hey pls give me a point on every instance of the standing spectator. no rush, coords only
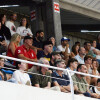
(81, 55)
(25, 52)
(52, 39)
(10, 24)
(72, 65)
(5, 30)
(24, 29)
(82, 88)
(63, 84)
(87, 46)
(47, 50)
(98, 43)
(20, 75)
(15, 39)
(38, 40)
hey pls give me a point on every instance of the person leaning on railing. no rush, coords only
(80, 86)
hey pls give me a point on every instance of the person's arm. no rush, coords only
(12, 48)
(48, 85)
(61, 87)
(37, 85)
(21, 56)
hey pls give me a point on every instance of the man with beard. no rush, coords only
(38, 40)
(81, 55)
(80, 82)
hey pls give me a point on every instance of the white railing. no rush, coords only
(53, 67)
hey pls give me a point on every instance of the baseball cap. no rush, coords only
(27, 37)
(65, 38)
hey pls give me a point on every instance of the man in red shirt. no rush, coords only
(25, 52)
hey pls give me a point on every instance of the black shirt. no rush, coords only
(38, 44)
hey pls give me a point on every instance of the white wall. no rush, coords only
(11, 91)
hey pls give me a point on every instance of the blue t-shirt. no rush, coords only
(41, 54)
(60, 82)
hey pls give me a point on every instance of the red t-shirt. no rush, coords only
(29, 54)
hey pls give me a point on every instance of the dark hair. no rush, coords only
(46, 43)
(1, 16)
(98, 80)
(71, 61)
(17, 63)
(79, 66)
(39, 31)
(77, 43)
(27, 24)
(85, 43)
(74, 49)
(86, 57)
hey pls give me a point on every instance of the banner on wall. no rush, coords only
(33, 15)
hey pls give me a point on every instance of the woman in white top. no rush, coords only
(24, 29)
(20, 75)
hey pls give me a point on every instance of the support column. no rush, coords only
(53, 20)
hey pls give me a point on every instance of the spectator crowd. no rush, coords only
(20, 42)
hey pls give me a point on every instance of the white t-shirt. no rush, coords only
(11, 26)
(95, 90)
(60, 48)
(21, 77)
(23, 31)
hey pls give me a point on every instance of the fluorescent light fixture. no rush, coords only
(88, 31)
(9, 6)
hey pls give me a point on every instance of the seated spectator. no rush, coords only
(3, 44)
(54, 56)
(82, 88)
(63, 84)
(43, 81)
(14, 43)
(72, 65)
(24, 29)
(75, 49)
(96, 51)
(96, 89)
(64, 47)
(38, 40)
(3, 75)
(94, 71)
(77, 43)
(88, 63)
(52, 39)
(81, 55)
(5, 30)
(98, 42)
(24, 52)
(87, 46)
(20, 75)
(47, 50)
(10, 24)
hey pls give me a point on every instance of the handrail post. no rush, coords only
(71, 84)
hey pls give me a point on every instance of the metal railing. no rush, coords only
(53, 67)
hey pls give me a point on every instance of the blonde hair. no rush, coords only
(14, 37)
